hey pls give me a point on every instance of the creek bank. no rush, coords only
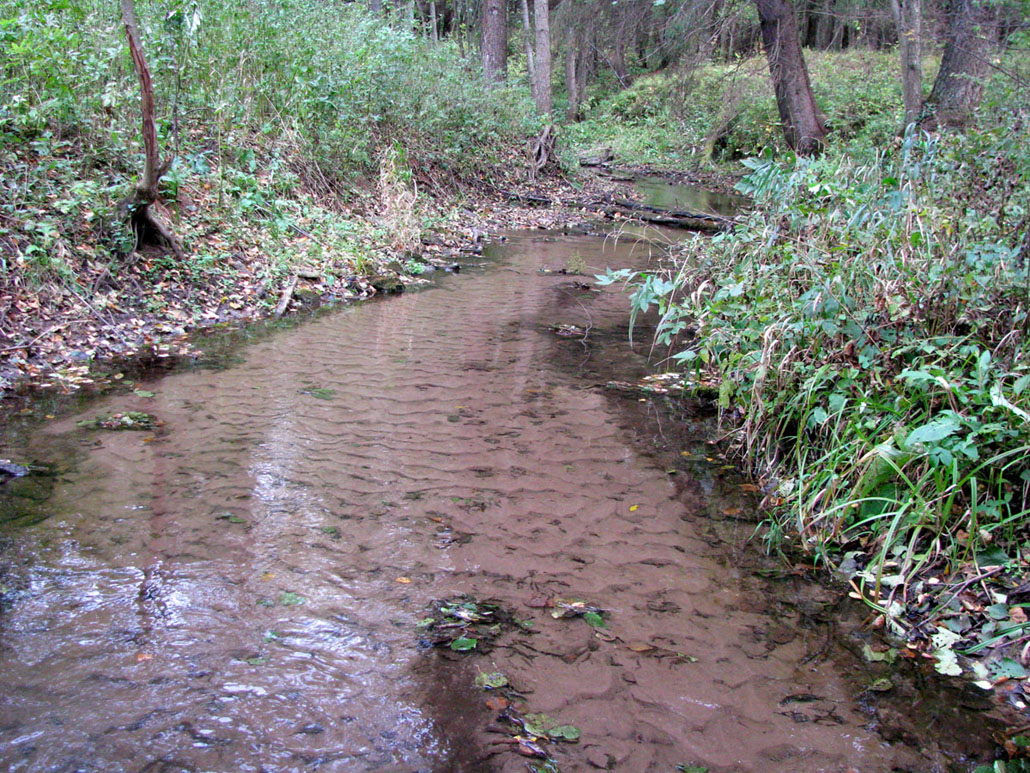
(56, 333)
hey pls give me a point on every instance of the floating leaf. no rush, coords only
(290, 599)
(538, 724)
(872, 656)
(463, 644)
(493, 680)
(320, 392)
(881, 685)
(595, 620)
(143, 393)
(569, 733)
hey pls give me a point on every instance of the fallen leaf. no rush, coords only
(634, 508)
(463, 644)
(639, 646)
(403, 580)
(494, 680)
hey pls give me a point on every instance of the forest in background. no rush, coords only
(865, 326)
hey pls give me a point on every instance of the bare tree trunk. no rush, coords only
(146, 223)
(375, 6)
(542, 84)
(964, 65)
(908, 18)
(527, 39)
(802, 121)
(494, 41)
(619, 47)
(434, 34)
(570, 74)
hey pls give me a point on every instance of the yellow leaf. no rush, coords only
(404, 580)
(634, 508)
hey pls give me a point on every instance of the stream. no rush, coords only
(240, 588)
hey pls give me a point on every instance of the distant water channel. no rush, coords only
(238, 589)
(658, 192)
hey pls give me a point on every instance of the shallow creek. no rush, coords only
(239, 589)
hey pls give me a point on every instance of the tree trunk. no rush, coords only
(147, 224)
(908, 18)
(542, 84)
(619, 46)
(434, 34)
(570, 76)
(527, 39)
(494, 41)
(375, 6)
(802, 121)
(964, 65)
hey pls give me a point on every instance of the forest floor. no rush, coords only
(54, 333)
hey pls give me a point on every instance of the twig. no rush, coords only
(29, 343)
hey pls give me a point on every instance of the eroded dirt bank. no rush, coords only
(241, 587)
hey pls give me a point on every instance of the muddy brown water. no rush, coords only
(239, 589)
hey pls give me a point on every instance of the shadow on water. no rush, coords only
(239, 587)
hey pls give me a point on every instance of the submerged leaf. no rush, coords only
(463, 644)
(493, 680)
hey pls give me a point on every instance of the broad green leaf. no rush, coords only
(938, 429)
(569, 733)
(463, 644)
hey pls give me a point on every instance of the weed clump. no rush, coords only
(868, 326)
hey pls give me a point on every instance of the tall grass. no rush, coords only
(869, 326)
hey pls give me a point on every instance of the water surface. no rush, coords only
(238, 590)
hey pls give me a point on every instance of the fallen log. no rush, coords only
(284, 299)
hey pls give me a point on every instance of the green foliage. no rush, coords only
(281, 109)
(728, 111)
(869, 325)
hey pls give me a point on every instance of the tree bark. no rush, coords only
(802, 121)
(146, 223)
(542, 83)
(570, 76)
(375, 6)
(965, 63)
(494, 40)
(527, 39)
(908, 18)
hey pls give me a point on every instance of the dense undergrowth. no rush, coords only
(868, 326)
(291, 150)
